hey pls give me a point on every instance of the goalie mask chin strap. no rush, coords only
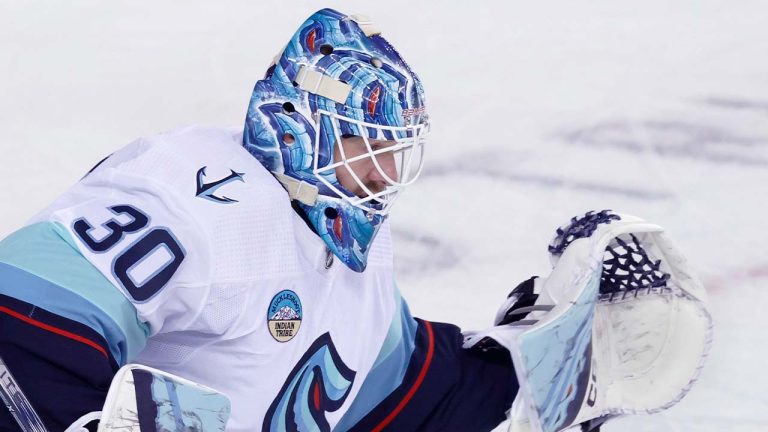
(302, 191)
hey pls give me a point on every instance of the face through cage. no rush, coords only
(373, 169)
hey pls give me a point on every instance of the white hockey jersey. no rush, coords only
(231, 287)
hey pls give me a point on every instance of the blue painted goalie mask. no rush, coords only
(339, 80)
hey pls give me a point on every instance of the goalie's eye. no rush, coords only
(379, 145)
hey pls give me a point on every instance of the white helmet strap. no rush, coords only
(366, 24)
(304, 192)
(321, 84)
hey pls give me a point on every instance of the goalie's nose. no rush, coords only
(380, 176)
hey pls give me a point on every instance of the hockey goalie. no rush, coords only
(213, 279)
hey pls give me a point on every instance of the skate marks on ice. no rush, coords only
(734, 103)
(675, 139)
(496, 166)
(420, 253)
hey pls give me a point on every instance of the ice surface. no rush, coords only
(542, 110)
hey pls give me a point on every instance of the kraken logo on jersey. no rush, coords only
(319, 383)
(207, 190)
(284, 315)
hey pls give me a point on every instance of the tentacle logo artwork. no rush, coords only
(319, 383)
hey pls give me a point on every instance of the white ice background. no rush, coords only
(541, 111)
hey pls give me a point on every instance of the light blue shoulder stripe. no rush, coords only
(76, 289)
(389, 368)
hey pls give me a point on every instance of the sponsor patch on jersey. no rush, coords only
(284, 315)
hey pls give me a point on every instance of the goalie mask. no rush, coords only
(338, 81)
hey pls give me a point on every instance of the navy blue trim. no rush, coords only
(145, 403)
(463, 390)
(389, 368)
(60, 302)
(98, 164)
(39, 314)
(64, 379)
(319, 400)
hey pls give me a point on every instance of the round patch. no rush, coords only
(284, 315)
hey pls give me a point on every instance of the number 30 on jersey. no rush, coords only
(138, 267)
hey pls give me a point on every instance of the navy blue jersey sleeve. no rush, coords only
(424, 380)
